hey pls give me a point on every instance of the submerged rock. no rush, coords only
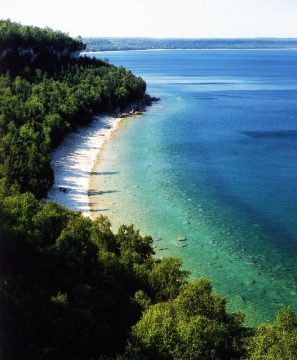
(187, 222)
(181, 238)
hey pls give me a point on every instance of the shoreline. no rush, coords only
(75, 158)
(91, 189)
(90, 52)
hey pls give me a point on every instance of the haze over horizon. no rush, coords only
(160, 18)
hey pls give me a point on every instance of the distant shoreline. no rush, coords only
(94, 44)
(215, 49)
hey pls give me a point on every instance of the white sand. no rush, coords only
(74, 160)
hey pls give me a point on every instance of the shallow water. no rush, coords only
(215, 161)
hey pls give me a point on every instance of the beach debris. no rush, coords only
(148, 100)
(132, 112)
(139, 108)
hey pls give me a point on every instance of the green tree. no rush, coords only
(276, 341)
(134, 248)
(194, 325)
(167, 277)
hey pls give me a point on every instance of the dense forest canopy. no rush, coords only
(70, 288)
(14, 35)
(106, 44)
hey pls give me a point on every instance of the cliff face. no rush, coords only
(32, 44)
(21, 51)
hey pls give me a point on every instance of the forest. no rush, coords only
(16, 36)
(71, 288)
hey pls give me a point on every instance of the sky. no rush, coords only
(158, 18)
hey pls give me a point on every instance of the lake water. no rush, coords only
(214, 161)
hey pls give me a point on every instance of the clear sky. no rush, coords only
(159, 18)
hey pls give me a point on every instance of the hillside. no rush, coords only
(44, 96)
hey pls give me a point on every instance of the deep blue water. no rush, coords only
(216, 161)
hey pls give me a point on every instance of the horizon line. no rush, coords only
(190, 38)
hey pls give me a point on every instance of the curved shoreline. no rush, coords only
(74, 160)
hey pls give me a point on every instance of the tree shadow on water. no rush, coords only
(95, 192)
(99, 210)
(104, 172)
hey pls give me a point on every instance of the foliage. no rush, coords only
(194, 325)
(276, 341)
(71, 288)
(41, 100)
(167, 277)
(58, 294)
(14, 35)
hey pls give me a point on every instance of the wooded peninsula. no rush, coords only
(124, 44)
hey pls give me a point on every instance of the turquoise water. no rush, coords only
(215, 161)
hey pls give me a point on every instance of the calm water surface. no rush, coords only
(215, 161)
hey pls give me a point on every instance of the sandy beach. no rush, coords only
(74, 160)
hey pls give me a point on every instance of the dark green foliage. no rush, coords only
(166, 278)
(22, 46)
(134, 249)
(276, 341)
(44, 97)
(70, 288)
(194, 325)
(59, 293)
(25, 159)
(14, 35)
